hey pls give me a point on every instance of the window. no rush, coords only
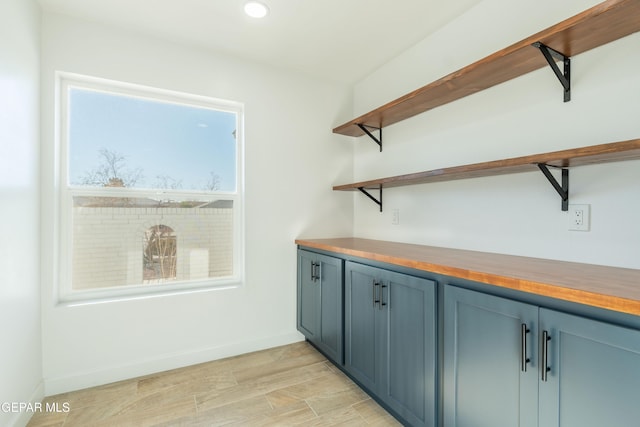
(150, 190)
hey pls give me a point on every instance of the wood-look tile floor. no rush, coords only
(285, 386)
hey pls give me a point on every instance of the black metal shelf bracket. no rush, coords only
(563, 187)
(564, 76)
(377, 201)
(365, 129)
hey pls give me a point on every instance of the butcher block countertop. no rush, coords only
(611, 288)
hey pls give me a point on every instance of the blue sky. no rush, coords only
(182, 142)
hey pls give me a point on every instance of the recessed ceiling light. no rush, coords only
(255, 9)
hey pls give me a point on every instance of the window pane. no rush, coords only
(126, 141)
(120, 241)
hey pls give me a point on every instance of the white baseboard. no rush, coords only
(21, 419)
(166, 362)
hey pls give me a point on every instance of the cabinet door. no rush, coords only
(320, 302)
(410, 364)
(594, 373)
(364, 345)
(330, 340)
(308, 296)
(485, 382)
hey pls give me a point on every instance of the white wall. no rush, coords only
(515, 214)
(291, 160)
(20, 344)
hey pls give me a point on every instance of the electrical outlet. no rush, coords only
(579, 217)
(395, 216)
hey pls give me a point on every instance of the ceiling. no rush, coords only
(337, 40)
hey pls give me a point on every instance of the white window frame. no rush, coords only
(66, 192)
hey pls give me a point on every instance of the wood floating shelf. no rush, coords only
(595, 154)
(599, 25)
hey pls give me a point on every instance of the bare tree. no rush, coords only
(112, 171)
(167, 183)
(159, 254)
(213, 184)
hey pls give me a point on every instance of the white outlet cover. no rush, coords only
(579, 218)
(395, 216)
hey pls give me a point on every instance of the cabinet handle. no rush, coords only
(545, 355)
(376, 298)
(315, 267)
(382, 303)
(523, 346)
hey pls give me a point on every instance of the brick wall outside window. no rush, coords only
(108, 243)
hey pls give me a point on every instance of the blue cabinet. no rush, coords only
(593, 376)
(486, 381)
(508, 363)
(364, 344)
(320, 308)
(390, 339)
(468, 358)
